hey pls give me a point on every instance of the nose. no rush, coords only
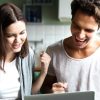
(17, 38)
(81, 34)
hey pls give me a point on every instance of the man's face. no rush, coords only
(83, 29)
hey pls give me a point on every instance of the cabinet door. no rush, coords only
(64, 10)
(33, 13)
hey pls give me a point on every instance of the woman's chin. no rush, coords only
(17, 50)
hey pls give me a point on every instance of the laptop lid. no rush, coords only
(88, 95)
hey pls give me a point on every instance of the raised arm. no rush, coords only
(45, 60)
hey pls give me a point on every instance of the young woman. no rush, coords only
(16, 58)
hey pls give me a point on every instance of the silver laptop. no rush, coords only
(88, 95)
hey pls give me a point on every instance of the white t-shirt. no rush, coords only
(80, 74)
(9, 83)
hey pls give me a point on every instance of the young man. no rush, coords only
(75, 64)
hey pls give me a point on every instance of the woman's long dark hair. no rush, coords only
(10, 13)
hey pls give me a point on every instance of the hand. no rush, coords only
(45, 60)
(59, 87)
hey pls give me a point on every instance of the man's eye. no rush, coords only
(22, 32)
(75, 26)
(90, 31)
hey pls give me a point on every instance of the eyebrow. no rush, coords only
(14, 33)
(73, 22)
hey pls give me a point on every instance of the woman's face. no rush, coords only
(16, 36)
(83, 29)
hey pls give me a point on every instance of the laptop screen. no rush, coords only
(88, 95)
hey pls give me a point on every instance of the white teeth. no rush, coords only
(79, 40)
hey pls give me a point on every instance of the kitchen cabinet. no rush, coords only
(33, 10)
(33, 13)
(64, 10)
(47, 11)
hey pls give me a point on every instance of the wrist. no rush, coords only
(44, 73)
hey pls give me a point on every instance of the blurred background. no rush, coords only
(48, 21)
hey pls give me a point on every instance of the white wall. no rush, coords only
(45, 35)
